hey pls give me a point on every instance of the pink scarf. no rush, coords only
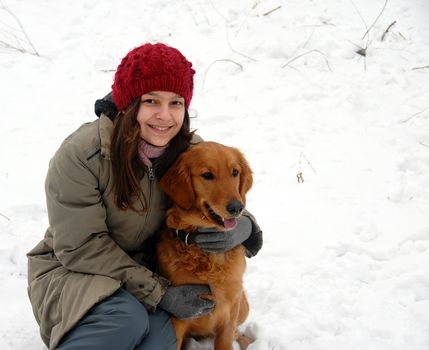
(147, 151)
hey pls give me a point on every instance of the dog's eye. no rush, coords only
(208, 175)
(235, 172)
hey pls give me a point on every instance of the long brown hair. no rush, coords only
(128, 169)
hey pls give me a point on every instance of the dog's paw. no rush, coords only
(246, 335)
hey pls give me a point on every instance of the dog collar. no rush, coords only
(186, 237)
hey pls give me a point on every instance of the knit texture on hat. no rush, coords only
(152, 67)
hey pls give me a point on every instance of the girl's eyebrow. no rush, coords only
(157, 95)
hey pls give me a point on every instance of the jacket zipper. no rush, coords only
(151, 177)
(150, 173)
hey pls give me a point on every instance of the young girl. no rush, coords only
(91, 281)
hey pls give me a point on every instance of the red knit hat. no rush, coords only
(147, 68)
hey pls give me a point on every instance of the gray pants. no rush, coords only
(121, 322)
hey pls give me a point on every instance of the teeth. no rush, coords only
(160, 128)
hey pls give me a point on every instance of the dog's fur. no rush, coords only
(208, 175)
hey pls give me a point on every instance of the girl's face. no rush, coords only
(160, 115)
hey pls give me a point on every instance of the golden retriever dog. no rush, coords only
(208, 186)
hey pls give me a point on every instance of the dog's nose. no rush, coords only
(235, 207)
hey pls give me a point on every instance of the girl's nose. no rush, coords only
(163, 111)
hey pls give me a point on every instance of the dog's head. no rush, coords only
(212, 180)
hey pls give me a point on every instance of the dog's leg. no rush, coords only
(181, 329)
(227, 328)
(244, 309)
(243, 340)
(225, 337)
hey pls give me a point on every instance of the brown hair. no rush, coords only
(128, 170)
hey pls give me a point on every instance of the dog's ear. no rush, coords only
(246, 177)
(177, 183)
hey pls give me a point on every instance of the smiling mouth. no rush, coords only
(160, 128)
(227, 223)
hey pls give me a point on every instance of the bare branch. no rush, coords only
(360, 15)
(244, 21)
(387, 30)
(307, 53)
(271, 11)
(216, 61)
(302, 155)
(202, 11)
(4, 216)
(423, 67)
(27, 38)
(299, 174)
(309, 38)
(227, 24)
(233, 50)
(218, 12)
(378, 17)
(414, 115)
(362, 50)
(8, 46)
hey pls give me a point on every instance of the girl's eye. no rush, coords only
(208, 175)
(177, 103)
(149, 101)
(235, 172)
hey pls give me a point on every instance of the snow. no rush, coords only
(344, 264)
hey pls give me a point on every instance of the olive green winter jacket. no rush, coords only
(86, 253)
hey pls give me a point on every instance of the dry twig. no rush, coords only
(302, 155)
(414, 115)
(309, 38)
(271, 11)
(228, 24)
(219, 13)
(362, 50)
(299, 175)
(237, 52)
(387, 30)
(423, 67)
(4, 216)
(360, 16)
(378, 17)
(216, 61)
(27, 38)
(307, 53)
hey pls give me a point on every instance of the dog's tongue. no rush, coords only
(230, 223)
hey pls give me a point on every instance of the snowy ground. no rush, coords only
(344, 265)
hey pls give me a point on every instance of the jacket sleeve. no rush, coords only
(81, 240)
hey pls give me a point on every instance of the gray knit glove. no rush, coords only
(213, 241)
(185, 302)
